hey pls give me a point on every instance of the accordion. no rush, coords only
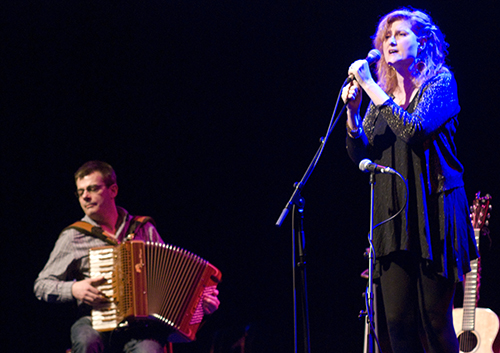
(151, 281)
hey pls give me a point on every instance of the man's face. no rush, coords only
(96, 199)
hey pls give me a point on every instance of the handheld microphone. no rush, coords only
(368, 166)
(372, 57)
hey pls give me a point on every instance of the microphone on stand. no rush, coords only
(368, 166)
(372, 57)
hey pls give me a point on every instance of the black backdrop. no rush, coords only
(210, 111)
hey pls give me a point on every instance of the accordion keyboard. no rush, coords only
(105, 316)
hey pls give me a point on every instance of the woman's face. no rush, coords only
(400, 45)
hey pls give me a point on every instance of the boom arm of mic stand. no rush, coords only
(298, 186)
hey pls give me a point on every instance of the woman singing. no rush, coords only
(409, 126)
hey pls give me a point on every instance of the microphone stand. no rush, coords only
(368, 341)
(370, 328)
(298, 229)
(297, 203)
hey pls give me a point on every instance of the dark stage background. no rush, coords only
(210, 111)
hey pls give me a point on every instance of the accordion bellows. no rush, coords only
(152, 281)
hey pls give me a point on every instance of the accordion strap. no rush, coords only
(136, 223)
(92, 230)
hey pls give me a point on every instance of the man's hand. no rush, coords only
(211, 302)
(86, 291)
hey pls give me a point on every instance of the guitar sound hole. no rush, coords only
(467, 341)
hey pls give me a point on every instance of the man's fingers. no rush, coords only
(97, 281)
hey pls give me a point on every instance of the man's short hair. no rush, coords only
(108, 174)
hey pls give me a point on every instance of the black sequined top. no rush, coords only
(418, 143)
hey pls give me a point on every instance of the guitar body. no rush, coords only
(476, 328)
(481, 339)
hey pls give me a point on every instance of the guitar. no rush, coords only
(476, 328)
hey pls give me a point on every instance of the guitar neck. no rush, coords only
(470, 292)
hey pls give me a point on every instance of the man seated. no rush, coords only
(66, 275)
